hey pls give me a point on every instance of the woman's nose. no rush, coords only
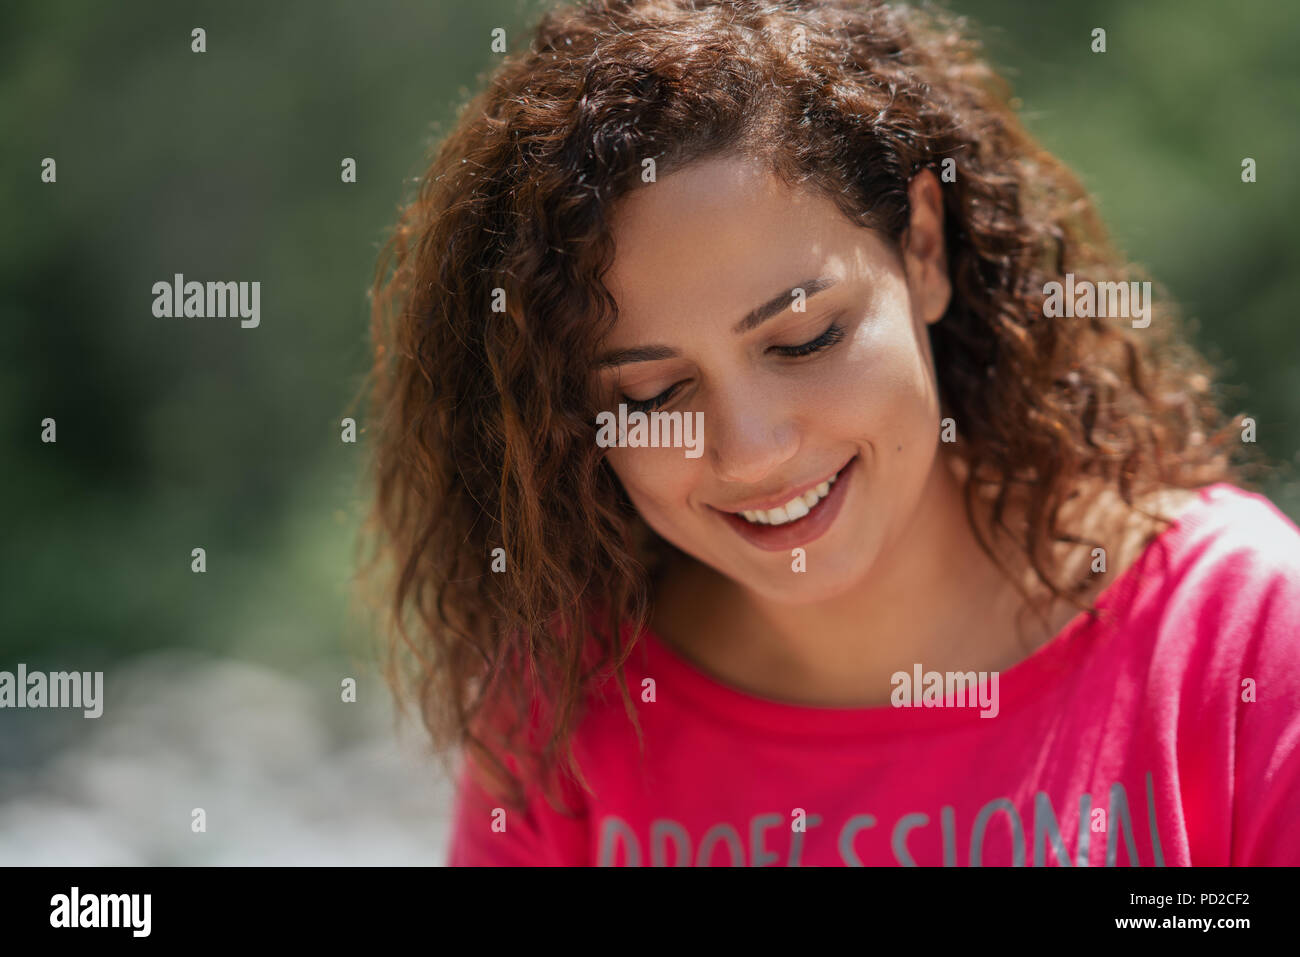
(750, 437)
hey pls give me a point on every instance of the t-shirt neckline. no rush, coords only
(1017, 685)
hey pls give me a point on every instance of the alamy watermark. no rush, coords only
(946, 689)
(57, 689)
(198, 300)
(1085, 299)
(75, 909)
(653, 430)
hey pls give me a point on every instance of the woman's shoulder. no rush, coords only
(1226, 618)
(1208, 601)
(1211, 611)
(1226, 566)
(1238, 535)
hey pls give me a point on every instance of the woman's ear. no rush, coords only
(925, 260)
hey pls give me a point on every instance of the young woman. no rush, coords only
(898, 564)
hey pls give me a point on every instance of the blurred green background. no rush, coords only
(176, 433)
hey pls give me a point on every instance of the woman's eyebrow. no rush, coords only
(636, 354)
(756, 317)
(781, 302)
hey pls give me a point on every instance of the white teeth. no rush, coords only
(792, 510)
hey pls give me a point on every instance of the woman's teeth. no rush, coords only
(792, 510)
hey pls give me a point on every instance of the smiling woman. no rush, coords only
(839, 267)
(842, 389)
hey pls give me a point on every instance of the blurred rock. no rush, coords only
(287, 773)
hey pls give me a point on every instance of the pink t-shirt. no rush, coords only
(1169, 738)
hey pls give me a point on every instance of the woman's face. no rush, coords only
(821, 424)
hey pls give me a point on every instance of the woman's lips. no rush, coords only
(776, 538)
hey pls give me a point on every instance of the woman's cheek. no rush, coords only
(857, 397)
(909, 435)
(658, 481)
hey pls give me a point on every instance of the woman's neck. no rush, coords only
(933, 598)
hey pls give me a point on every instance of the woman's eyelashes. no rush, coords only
(833, 334)
(648, 405)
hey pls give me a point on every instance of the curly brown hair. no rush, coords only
(482, 419)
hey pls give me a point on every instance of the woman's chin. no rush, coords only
(807, 586)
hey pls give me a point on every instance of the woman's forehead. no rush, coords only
(721, 237)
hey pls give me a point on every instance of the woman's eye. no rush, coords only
(648, 405)
(832, 335)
